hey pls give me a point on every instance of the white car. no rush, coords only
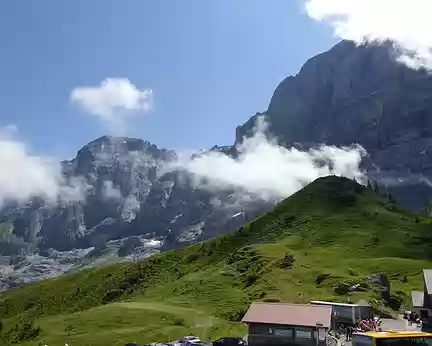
(190, 341)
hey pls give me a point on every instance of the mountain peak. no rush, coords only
(123, 145)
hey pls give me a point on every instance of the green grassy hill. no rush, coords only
(314, 245)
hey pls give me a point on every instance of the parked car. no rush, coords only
(196, 342)
(191, 341)
(185, 339)
(229, 342)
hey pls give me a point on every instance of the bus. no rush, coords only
(392, 338)
(348, 314)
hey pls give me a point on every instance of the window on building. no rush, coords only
(285, 332)
(343, 313)
(303, 333)
(424, 314)
(260, 329)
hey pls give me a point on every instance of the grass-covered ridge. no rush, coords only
(313, 245)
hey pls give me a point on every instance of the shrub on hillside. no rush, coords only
(256, 294)
(396, 300)
(177, 321)
(320, 278)
(287, 262)
(234, 315)
(342, 288)
(190, 258)
(250, 279)
(22, 331)
(112, 295)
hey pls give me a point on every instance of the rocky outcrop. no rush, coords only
(361, 94)
(382, 284)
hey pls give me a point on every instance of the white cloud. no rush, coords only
(130, 208)
(129, 205)
(111, 192)
(24, 175)
(405, 22)
(270, 171)
(113, 101)
(74, 189)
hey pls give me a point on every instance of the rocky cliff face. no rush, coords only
(361, 94)
(129, 206)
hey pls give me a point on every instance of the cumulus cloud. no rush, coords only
(405, 22)
(24, 175)
(112, 101)
(272, 172)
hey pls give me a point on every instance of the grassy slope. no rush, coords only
(337, 231)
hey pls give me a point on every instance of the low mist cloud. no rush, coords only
(130, 208)
(129, 205)
(392, 178)
(109, 191)
(405, 22)
(24, 175)
(269, 171)
(262, 170)
(74, 189)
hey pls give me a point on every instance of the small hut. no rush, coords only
(287, 324)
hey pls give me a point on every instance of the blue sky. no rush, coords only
(210, 64)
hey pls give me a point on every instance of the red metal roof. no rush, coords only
(289, 314)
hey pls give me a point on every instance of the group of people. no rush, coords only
(348, 331)
(371, 324)
(363, 326)
(413, 317)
